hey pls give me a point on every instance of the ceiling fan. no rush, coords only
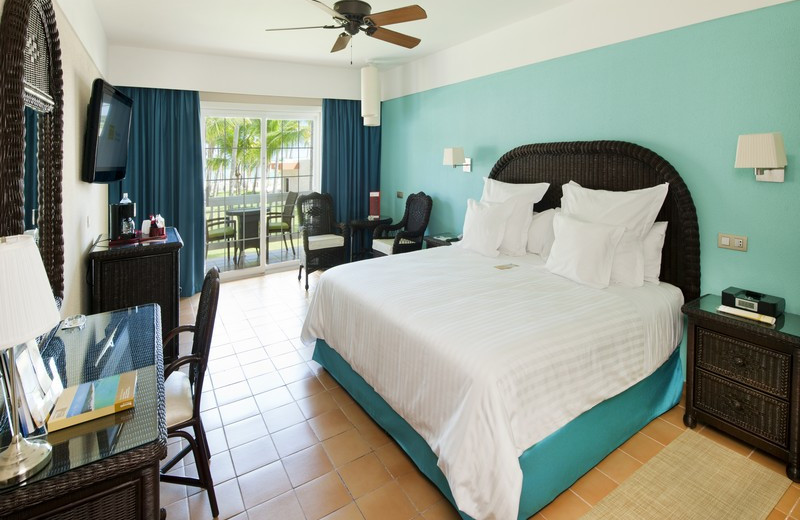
(353, 16)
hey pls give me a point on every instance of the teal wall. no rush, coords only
(686, 94)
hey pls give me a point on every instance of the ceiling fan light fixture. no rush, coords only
(354, 16)
(370, 95)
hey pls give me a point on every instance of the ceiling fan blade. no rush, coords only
(325, 8)
(403, 14)
(387, 35)
(341, 42)
(298, 28)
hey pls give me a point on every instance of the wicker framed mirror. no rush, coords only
(31, 75)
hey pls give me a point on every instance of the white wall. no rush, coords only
(86, 25)
(133, 66)
(85, 206)
(567, 29)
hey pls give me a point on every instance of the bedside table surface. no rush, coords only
(787, 326)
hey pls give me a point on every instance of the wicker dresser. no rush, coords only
(129, 275)
(744, 378)
(441, 239)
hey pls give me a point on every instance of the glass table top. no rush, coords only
(86, 354)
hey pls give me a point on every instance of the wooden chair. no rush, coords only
(184, 390)
(406, 235)
(284, 225)
(325, 242)
(219, 229)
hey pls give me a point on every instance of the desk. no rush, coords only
(363, 225)
(247, 229)
(107, 468)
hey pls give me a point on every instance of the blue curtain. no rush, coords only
(30, 192)
(165, 171)
(351, 158)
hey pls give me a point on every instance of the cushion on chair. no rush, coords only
(220, 233)
(179, 398)
(325, 241)
(384, 245)
(278, 226)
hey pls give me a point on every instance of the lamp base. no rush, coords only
(23, 459)
(769, 174)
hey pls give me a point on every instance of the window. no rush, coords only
(256, 160)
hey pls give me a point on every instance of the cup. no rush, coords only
(145, 228)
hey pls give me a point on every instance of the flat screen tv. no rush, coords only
(108, 124)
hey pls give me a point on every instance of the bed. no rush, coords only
(501, 423)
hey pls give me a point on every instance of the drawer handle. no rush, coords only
(736, 404)
(738, 361)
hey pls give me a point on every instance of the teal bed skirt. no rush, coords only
(553, 464)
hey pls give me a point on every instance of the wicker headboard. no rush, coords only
(618, 166)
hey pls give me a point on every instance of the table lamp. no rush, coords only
(27, 310)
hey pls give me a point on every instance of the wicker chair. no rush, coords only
(325, 242)
(219, 229)
(406, 235)
(284, 225)
(183, 392)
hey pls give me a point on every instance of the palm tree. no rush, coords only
(233, 153)
(233, 150)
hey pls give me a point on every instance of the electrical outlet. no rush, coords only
(735, 242)
(399, 194)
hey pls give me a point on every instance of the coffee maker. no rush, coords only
(121, 223)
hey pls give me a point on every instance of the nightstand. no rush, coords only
(743, 378)
(441, 239)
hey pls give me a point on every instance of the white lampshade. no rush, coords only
(27, 306)
(760, 151)
(453, 157)
(372, 120)
(370, 93)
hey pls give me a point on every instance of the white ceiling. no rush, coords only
(236, 27)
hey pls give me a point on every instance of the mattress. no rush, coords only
(484, 362)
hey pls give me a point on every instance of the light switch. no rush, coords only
(735, 242)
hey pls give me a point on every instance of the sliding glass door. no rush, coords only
(256, 164)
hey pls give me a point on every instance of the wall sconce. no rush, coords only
(765, 153)
(455, 157)
(370, 96)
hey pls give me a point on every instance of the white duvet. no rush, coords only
(483, 362)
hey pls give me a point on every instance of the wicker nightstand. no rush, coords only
(744, 378)
(441, 239)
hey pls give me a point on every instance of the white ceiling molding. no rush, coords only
(566, 29)
(212, 73)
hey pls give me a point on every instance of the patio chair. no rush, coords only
(325, 242)
(284, 225)
(222, 229)
(407, 234)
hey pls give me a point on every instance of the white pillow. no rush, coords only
(483, 226)
(636, 209)
(653, 244)
(522, 197)
(627, 268)
(540, 234)
(583, 251)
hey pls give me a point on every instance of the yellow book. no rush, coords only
(87, 401)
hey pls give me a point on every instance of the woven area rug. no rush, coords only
(694, 478)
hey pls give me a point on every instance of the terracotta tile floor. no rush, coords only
(289, 443)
